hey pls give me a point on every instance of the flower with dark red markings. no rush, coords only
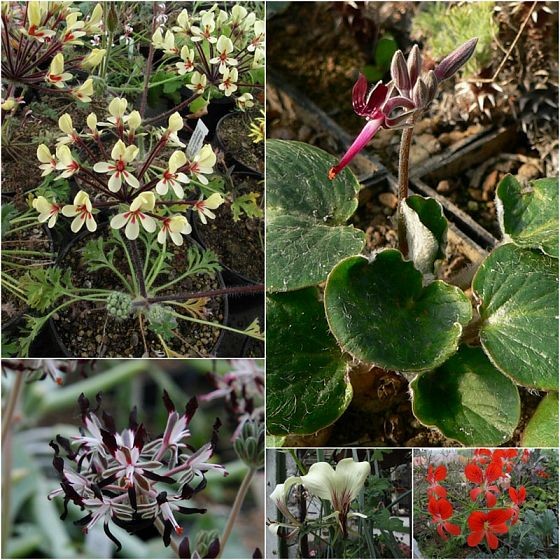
(37, 370)
(115, 476)
(399, 103)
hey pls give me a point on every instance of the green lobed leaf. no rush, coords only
(467, 399)
(529, 215)
(380, 313)
(518, 291)
(542, 429)
(306, 215)
(426, 231)
(307, 383)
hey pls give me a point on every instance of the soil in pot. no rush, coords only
(239, 245)
(87, 330)
(233, 135)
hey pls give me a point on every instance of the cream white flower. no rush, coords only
(91, 121)
(245, 101)
(229, 79)
(135, 216)
(121, 155)
(205, 207)
(258, 39)
(82, 211)
(48, 211)
(202, 164)
(35, 12)
(65, 124)
(184, 23)
(281, 493)
(48, 161)
(341, 485)
(258, 58)
(171, 178)
(117, 109)
(74, 30)
(93, 59)
(165, 43)
(198, 82)
(175, 227)
(66, 162)
(94, 22)
(187, 61)
(84, 92)
(238, 14)
(224, 48)
(175, 123)
(134, 121)
(207, 26)
(56, 74)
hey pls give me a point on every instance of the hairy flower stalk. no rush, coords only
(119, 477)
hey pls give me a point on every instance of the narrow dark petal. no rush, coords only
(190, 409)
(58, 464)
(189, 511)
(133, 419)
(111, 536)
(258, 553)
(168, 402)
(140, 437)
(167, 532)
(97, 491)
(84, 520)
(184, 548)
(83, 402)
(213, 549)
(158, 477)
(109, 422)
(98, 399)
(71, 494)
(109, 440)
(106, 481)
(161, 498)
(215, 429)
(414, 64)
(132, 497)
(201, 485)
(65, 444)
(359, 92)
(452, 62)
(399, 72)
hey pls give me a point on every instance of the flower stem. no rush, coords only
(149, 63)
(138, 267)
(13, 398)
(239, 499)
(404, 165)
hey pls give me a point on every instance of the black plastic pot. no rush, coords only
(53, 330)
(231, 157)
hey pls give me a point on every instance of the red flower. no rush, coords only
(506, 457)
(434, 477)
(487, 525)
(482, 456)
(517, 497)
(484, 479)
(541, 473)
(441, 511)
(526, 455)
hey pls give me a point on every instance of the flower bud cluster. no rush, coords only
(119, 305)
(250, 444)
(125, 477)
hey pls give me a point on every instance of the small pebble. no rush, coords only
(388, 199)
(443, 187)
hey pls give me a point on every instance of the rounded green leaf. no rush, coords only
(518, 290)
(426, 231)
(307, 386)
(542, 429)
(306, 215)
(380, 313)
(467, 399)
(529, 215)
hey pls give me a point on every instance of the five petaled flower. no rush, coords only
(137, 215)
(484, 479)
(434, 477)
(224, 46)
(175, 227)
(487, 525)
(441, 510)
(56, 74)
(205, 207)
(122, 155)
(170, 176)
(47, 210)
(83, 212)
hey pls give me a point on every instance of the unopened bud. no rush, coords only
(431, 83)
(112, 19)
(399, 72)
(250, 444)
(414, 64)
(420, 94)
(452, 62)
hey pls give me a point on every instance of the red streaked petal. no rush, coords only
(474, 473)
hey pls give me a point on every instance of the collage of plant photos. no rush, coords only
(279, 279)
